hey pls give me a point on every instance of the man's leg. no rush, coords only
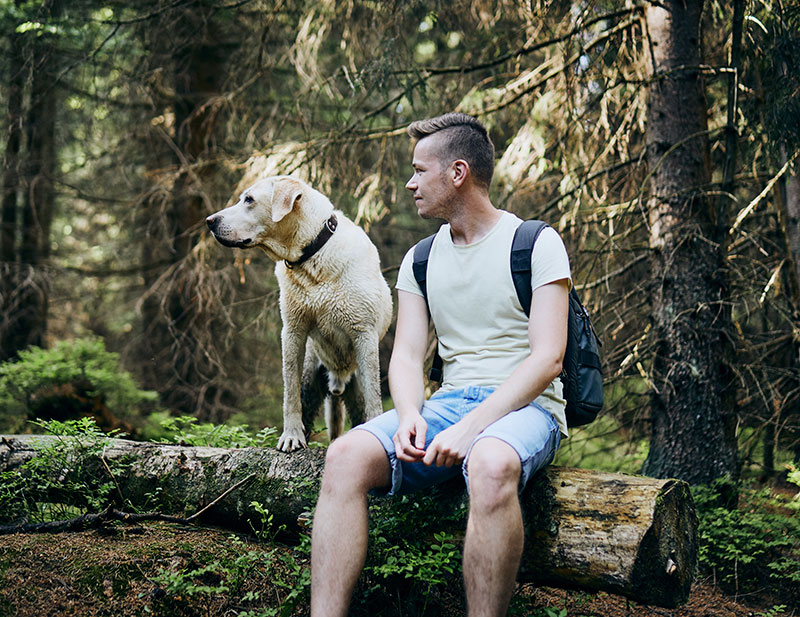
(493, 544)
(355, 463)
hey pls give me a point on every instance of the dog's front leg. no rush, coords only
(293, 342)
(366, 345)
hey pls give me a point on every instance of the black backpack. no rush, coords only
(582, 375)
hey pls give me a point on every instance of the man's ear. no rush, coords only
(284, 198)
(460, 170)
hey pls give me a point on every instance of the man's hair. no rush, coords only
(464, 137)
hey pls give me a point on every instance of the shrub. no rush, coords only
(750, 548)
(53, 485)
(73, 379)
(413, 566)
(187, 431)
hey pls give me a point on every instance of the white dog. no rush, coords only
(335, 303)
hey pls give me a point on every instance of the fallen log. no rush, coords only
(623, 534)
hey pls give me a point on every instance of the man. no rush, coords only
(498, 416)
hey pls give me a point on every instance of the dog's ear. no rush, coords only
(286, 195)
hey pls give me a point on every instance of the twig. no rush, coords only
(88, 521)
(221, 497)
(111, 475)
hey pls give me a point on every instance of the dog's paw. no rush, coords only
(291, 440)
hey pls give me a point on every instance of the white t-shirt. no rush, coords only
(480, 324)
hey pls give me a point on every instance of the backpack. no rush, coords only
(582, 375)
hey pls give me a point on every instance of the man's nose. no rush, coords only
(411, 185)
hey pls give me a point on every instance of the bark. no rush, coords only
(691, 411)
(590, 530)
(791, 200)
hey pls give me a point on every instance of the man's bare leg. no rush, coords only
(495, 535)
(355, 463)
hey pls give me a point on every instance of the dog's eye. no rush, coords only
(248, 199)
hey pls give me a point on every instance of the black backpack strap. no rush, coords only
(521, 249)
(420, 267)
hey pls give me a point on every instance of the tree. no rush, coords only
(691, 412)
(186, 55)
(29, 176)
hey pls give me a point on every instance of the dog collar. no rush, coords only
(318, 242)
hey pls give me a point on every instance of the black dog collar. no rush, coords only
(318, 242)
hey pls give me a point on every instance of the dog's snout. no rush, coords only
(213, 222)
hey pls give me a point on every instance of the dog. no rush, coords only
(335, 304)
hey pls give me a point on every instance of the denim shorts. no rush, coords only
(531, 431)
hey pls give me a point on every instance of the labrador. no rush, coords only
(335, 304)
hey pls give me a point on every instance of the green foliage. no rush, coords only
(549, 611)
(751, 547)
(265, 532)
(188, 431)
(206, 576)
(794, 477)
(431, 564)
(93, 375)
(773, 611)
(55, 484)
(410, 557)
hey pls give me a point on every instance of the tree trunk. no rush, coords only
(590, 530)
(28, 184)
(180, 366)
(9, 333)
(39, 198)
(691, 407)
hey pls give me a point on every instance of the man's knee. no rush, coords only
(356, 460)
(494, 471)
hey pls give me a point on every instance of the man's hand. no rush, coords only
(409, 440)
(450, 447)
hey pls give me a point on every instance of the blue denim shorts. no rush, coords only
(531, 431)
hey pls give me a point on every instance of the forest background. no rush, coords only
(661, 143)
(660, 139)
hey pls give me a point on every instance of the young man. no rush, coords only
(498, 416)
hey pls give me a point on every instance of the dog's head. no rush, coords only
(261, 217)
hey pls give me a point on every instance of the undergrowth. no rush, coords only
(749, 538)
(413, 567)
(67, 478)
(187, 431)
(753, 546)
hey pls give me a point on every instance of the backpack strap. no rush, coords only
(521, 249)
(420, 267)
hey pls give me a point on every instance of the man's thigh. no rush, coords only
(532, 432)
(357, 459)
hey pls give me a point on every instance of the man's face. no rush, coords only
(431, 183)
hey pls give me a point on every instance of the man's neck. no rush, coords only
(472, 222)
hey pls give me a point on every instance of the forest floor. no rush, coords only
(127, 571)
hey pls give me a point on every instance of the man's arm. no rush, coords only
(547, 334)
(406, 382)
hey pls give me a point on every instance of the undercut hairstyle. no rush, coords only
(463, 137)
